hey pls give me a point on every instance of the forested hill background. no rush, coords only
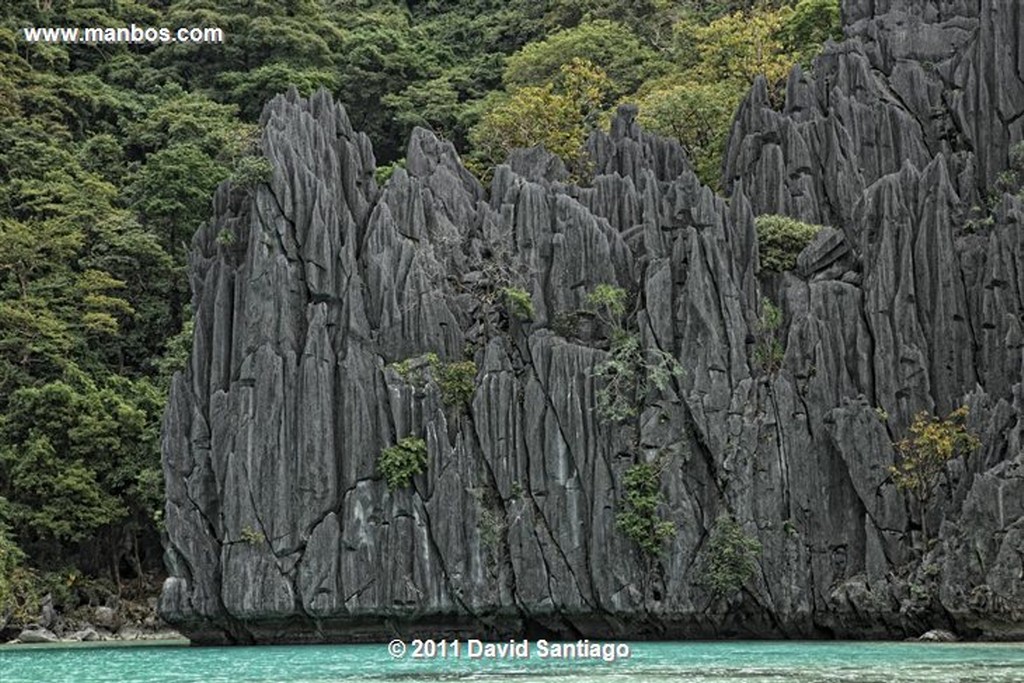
(110, 154)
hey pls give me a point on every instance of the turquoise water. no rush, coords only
(718, 662)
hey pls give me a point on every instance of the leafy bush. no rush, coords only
(639, 518)
(732, 557)
(932, 443)
(616, 398)
(457, 382)
(768, 351)
(518, 302)
(781, 240)
(414, 370)
(978, 218)
(608, 303)
(629, 372)
(566, 324)
(491, 525)
(400, 462)
(252, 536)
(1008, 181)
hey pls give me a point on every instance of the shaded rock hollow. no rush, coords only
(310, 287)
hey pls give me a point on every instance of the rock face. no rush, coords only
(311, 287)
(37, 635)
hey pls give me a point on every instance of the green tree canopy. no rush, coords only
(607, 45)
(557, 115)
(698, 114)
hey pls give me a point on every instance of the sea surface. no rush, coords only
(717, 662)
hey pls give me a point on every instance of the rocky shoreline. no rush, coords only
(36, 636)
(132, 621)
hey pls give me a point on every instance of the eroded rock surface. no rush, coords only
(308, 289)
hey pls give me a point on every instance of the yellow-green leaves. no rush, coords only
(607, 45)
(696, 113)
(557, 115)
(101, 308)
(743, 45)
(780, 240)
(608, 303)
(716, 64)
(932, 443)
(924, 453)
(518, 302)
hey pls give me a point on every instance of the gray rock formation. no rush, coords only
(310, 288)
(108, 618)
(37, 635)
(86, 635)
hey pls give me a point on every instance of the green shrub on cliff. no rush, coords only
(518, 302)
(608, 304)
(252, 536)
(781, 239)
(629, 370)
(251, 171)
(616, 398)
(399, 463)
(639, 518)
(732, 557)
(457, 381)
(768, 349)
(1012, 179)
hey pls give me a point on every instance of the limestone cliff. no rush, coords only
(309, 288)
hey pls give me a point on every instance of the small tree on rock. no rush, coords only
(932, 443)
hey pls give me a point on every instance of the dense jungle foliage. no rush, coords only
(109, 155)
